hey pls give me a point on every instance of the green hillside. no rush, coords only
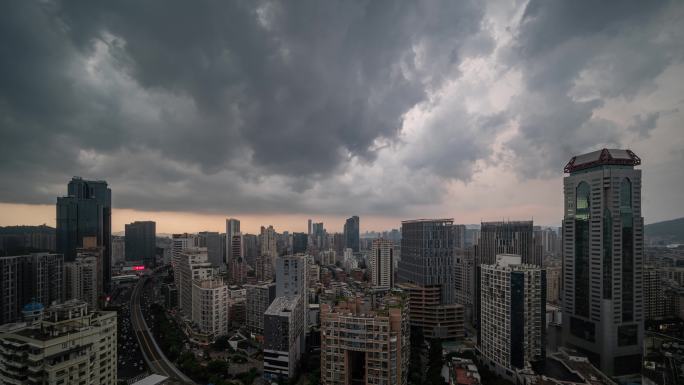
(666, 231)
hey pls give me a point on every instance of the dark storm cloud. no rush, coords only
(574, 55)
(267, 94)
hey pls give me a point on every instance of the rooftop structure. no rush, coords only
(603, 157)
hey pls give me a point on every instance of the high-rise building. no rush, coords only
(464, 274)
(364, 345)
(299, 242)
(66, 345)
(553, 284)
(459, 236)
(309, 227)
(351, 233)
(193, 264)
(426, 270)
(285, 319)
(603, 260)
(259, 298)
(251, 248)
(283, 337)
(210, 306)
(513, 314)
(238, 267)
(232, 229)
(118, 250)
(86, 211)
(505, 237)
(212, 241)
(29, 278)
(654, 294)
(81, 280)
(381, 263)
(141, 242)
(318, 236)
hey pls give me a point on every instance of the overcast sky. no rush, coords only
(274, 112)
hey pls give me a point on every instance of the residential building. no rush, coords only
(86, 211)
(67, 344)
(81, 280)
(118, 250)
(351, 233)
(193, 265)
(464, 270)
(37, 277)
(381, 263)
(364, 344)
(513, 314)
(426, 271)
(553, 284)
(232, 229)
(141, 242)
(210, 306)
(603, 260)
(655, 298)
(283, 337)
(299, 243)
(259, 297)
(251, 248)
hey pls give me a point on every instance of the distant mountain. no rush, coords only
(665, 232)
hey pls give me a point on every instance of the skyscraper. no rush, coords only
(29, 278)
(351, 233)
(141, 242)
(381, 261)
(603, 259)
(426, 271)
(86, 211)
(505, 237)
(299, 241)
(212, 241)
(232, 229)
(513, 314)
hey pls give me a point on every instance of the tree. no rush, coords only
(221, 343)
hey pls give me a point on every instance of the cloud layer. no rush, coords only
(321, 107)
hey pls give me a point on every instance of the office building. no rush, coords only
(603, 260)
(362, 344)
(506, 237)
(141, 242)
(513, 314)
(193, 264)
(351, 233)
(212, 241)
(259, 298)
(232, 229)
(426, 271)
(16, 240)
(381, 263)
(283, 337)
(29, 278)
(459, 236)
(86, 211)
(210, 307)
(67, 344)
(318, 236)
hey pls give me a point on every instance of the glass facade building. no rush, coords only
(86, 211)
(603, 260)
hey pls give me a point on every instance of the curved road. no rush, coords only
(152, 353)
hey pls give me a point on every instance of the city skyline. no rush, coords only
(477, 132)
